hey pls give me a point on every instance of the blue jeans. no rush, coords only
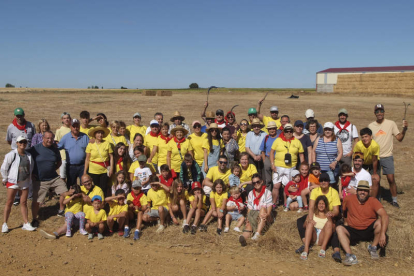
(73, 172)
(298, 199)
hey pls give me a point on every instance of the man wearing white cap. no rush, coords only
(151, 140)
(60, 132)
(159, 117)
(348, 133)
(274, 115)
(310, 115)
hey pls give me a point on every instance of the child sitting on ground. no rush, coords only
(293, 192)
(234, 178)
(190, 172)
(177, 202)
(157, 197)
(315, 172)
(346, 176)
(118, 210)
(167, 176)
(218, 200)
(198, 207)
(143, 173)
(120, 183)
(95, 218)
(137, 205)
(235, 208)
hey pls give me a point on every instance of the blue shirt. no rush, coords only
(45, 162)
(254, 141)
(204, 129)
(74, 148)
(234, 180)
(269, 144)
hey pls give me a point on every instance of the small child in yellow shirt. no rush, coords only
(96, 218)
(218, 200)
(118, 210)
(137, 204)
(313, 180)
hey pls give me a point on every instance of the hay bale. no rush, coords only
(164, 93)
(149, 93)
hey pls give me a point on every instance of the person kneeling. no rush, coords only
(118, 210)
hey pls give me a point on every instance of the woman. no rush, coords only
(136, 127)
(241, 135)
(42, 126)
(103, 121)
(161, 148)
(327, 151)
(313, 134)
(122, 161)
(305, 140)
(99, 158)
(123, 132)
(197, 139)
(259, 210)
(232, 124)
(17, 176)
(115, 137)
(212, 147)
(138, 141)
(177, 148)
(231, 148)
(247, 172)
(151, 140)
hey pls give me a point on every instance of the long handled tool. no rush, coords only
(208, 91)
(405, 111)
(231, 110)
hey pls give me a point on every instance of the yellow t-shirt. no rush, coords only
(101, 216)
(368, 152)
(105, 149)
(143, 200)
(135, 165)
(60, 132)
(158, 198)
(197, 144)
(191, 199)
(185, 196)
(162, 151)
(150, 142)
(74, 206)
(382, 134)
(214, 174)
(176, 157)
(246, 175)
(241, 140)
(332, 196)
(96, 191)
(86, 131)
(116, 139)
(215, 142)
(295, 147)
(133, 129)
(266, 120)
(218, 199)
(116, 209)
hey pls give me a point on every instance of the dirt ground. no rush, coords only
(172, 252)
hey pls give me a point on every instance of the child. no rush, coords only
(123, 132)
(346, 176)
(118, 210)
(234, 178)
(178, 202)
(190, 171)
(235, 207)
(218, 200)
(95, 218)
(138, 151)
(120, 183)
(198, 206)
(143, 173)
(293, 192)
(315, 172)
(167, 176)
(137, 205)
(158, 198)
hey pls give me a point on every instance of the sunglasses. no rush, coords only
(223, 162)
(252, 115)
(274, 111)
(327, 129)
(230, 117)
(22, 142)
(243, 124)
(213, 130)
(379, 111)
(197, 126)
(288, 131)
(300, 126)
(219, 114)
(256, 127)
(256, 182)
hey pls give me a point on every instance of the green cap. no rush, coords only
(343, 111)
(252, 110)
(18, 111)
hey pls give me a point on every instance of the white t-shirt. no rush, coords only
(346, 136)
(362, 175)
(143, 174)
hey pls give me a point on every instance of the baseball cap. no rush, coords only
(18, 111)
(274, 108)
(195, 185)
(328, 125)
(363, 185)
(220, 111)
(97, 197)
(136, 184)
(379, 106)
(153, 122)
(309, 113)
(315, 165)
(298, 123)
(358, 155)
(75, 121)
(294, 173)
(251, 111)
(136, 115)
(142, 158)
(195, 122)
(343, 111)
(64, 114)
(324, 177)
(21, 138)
(287, 126)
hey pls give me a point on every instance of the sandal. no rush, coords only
(304, 256)
(322, 253)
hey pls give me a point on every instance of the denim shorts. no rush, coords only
(235, 215)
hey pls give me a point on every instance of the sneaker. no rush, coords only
(203, 228)
(100, 236)
(300, 249)
(83, 232)
(274, 206)
(90, 236)
(46, 235)
(226, 230)
(35, 223)
(237, 229)
(136, 235)
(306, 207)
(350, 260)
(28, 227)
(337, 257)
(4, 228)
(322, 253)
(256, 236)
(61, 213)
(285, 209)
(304, 256)
(126, 232)
(373, 251)
(160, 229)
(69, 234)
(219, 231)
(193, 230)
(186, 229)
(395, 204)
(242, 241)
(300, 210)
(16, 202)
(120, 232)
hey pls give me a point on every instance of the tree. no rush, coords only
(89, 87)
(9, 85)
(194, 85)
(96, 87)
(123, 87)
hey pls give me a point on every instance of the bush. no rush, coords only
(123, 87)
(194, 85)
(9, 85)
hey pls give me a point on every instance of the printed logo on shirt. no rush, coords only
(380, 133)
(343, 135)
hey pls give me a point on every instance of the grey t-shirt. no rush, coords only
(13, 132)
(24, 168)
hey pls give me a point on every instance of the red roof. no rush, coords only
(368, 69)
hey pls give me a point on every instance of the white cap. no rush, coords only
(154, 122)
(328, 125)
(136, 115)
(75, 121)
(309, 113)
(294, 173)
(274, 108)
(21, 138)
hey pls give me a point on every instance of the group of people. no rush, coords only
(217, 168)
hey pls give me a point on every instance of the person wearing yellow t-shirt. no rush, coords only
(151, 141)
(60, 132)
(247, 171)
(218, 200)
(178, 146)
(118, 211)
(198, 206)
(137, 204)
(177, 202)
(136, 127)
(157, 208)
(161, 148)
(99, 158)
(197, 140)
(241, 135)
(115, 137)
(95, 218)
(212, 147)
(274, 115)
(135, 165)
(85, 119)
(221, 171)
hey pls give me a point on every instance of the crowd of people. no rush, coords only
(110, 176)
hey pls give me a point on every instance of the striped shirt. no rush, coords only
(326, 153)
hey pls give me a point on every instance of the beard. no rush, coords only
(362, 200)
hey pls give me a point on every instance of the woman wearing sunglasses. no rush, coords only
(241, 135)
(212, 147)
(197, 139)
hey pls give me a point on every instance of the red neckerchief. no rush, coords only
(136, 198)
(170, 178)
(230, 112)
(282, 136)
(154, 135)
(237, 201)
(119, 163)
(220, 125)
(19, 127)
(256, 201)
(179, 142)
(167, 139)
(338, 125)
(281, 128)
(345, 181)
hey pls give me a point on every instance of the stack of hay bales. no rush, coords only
(164, 93)
(149, 93)
(384, 83)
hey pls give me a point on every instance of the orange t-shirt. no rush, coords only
(360, 216)
(313, 179)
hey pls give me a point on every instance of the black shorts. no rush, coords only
(356, 235)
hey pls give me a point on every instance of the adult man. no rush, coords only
(151, 140)
(177, 120)
(252, 113)
(266, 147)
(220, 118)
(310, 115)
(208, 119)
(60, 132)
(348, 133)
(383, 131)
(218, 172)
(366, 219)
(159, 117)
(20, 127)
(253, 141)
(283, 121)
(274, 114)
(47, 160)
(360, 174)
(85, 119)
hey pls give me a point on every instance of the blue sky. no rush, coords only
(170, 44)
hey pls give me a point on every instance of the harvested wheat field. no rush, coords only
(172, 252)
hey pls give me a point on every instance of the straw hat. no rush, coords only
(92, 131)
(213, 126)
(363, 185)
(177, 115)
(271, 124)
(185, 132)
(210, 115)
(256, 121)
